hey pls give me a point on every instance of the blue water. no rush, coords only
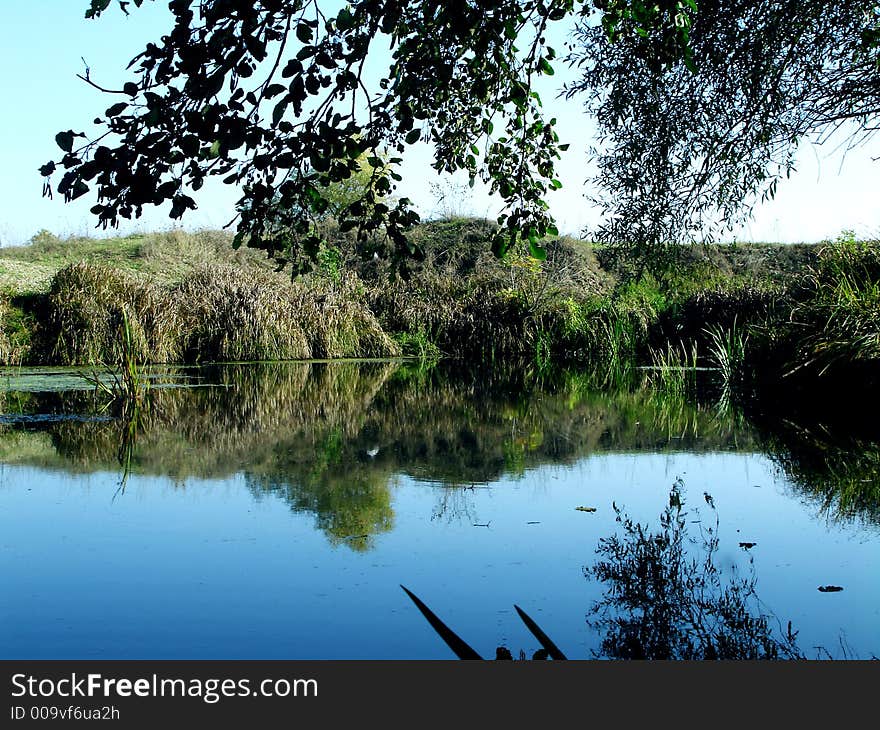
(205, 570)
(276, 516)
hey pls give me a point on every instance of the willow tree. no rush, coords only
(274, 96)
(686, 150)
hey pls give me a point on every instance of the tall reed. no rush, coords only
(123, 381)
(673, 368)
(727, 351)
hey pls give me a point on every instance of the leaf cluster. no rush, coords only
(272, 96)
(685, 150)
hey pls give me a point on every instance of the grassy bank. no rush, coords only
(758, 313)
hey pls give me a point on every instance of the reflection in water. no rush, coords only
(350, 507)
(330, 438)
(395, 466)
(464, 651)
(665, 596)
(835, 467)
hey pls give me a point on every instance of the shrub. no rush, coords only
(835, 321)
(16, 327)
(226, 314)
(86, 304)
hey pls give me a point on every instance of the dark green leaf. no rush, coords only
(278, 111)
(292, 67)
(274, 90)
(65, 140)
(79, 189)
(97, 7)
(117, 109)
(345, 20)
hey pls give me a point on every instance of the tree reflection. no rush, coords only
(666, 598)
(330, 438)
(351, 508)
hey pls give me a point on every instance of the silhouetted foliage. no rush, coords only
(663, 600)
(685, 150)
(273, 96)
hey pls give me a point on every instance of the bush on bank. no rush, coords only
(802, 312)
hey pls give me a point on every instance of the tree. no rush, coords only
(687, 149)
(272, 95)
(280, 225)
(345, 193)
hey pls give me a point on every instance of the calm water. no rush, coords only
(274, 511)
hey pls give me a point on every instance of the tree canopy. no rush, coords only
(272, 95)
(685, 150)
(700, 105)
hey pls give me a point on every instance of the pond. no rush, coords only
(273, 511)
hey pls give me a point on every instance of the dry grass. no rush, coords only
(25, 277)
(85, 308)
(192, 298)
(216, 313)
(227, 314)
(166, 257)
(15, 332)
(224, 314)
(480, 306)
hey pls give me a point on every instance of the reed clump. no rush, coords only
(16, 329)
(835, 320)
(463, 318)
(87, 304)
(809, 312)
(339, 321)
(472, 305)
(226, 314)
(216, 313)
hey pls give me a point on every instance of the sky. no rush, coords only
(45, 42)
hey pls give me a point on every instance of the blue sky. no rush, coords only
(46, 40)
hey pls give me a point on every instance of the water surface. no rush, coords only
(273, 511)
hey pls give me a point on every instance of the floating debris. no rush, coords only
(747, 545)
(830, 589)
(533, 523)
(585, 509)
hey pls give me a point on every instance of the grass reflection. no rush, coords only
(330, 438)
